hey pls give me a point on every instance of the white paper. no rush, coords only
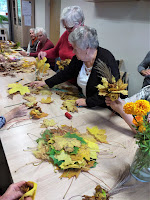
(26, 8)
(27, 20)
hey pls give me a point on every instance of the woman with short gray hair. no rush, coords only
(83, 66)
(71, 18)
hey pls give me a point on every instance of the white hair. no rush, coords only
(72, 15)
(40, 29)
(84, 37)
(32, 29)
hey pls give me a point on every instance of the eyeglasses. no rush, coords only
(68, 28)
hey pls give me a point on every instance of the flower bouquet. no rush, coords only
(140, 167)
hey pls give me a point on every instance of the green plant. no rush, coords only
(3, 18)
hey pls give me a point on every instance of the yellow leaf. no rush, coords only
(47, 101)
(30, 193)
(65, 143)
(83, 152)
(17, 87)
(48, 123)
(36, 113)
(99, 134)
(70, 106)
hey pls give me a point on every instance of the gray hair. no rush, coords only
(72, 15)
(84, 37)
(32, 29)
(40, 29)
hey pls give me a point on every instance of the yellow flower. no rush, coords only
(129, 108)
(142, 107)
(138, 120)
(141, 129)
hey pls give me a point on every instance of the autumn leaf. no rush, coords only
(46, 101)
(99, 134)
(69, 173)
(47, 123)
(70, 106)
(41, 65)
(36, 113)
(17, 87)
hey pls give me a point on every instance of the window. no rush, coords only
(3, 7)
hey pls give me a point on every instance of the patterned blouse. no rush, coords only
(143, 94)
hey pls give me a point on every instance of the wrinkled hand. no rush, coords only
(23, 53)
(16, 112)
(81, 102)
(42, 54)
(37, 84)
(145, 72)
(14, 192)
(116, 105)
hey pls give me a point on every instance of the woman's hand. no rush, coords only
(42, 54)
(81, 102)
(145, 72)
(37, 84)
(14, 192)
(16, 112)
(116, 105)
(23, 53)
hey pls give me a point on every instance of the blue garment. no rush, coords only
(2, 121)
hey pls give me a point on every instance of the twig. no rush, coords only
(68, 187)
(13, 105)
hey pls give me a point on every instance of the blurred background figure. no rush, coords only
(33, 43)
(144, 69)
(44, 44)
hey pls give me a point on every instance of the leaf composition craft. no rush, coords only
(109, 87)
(67, 149)
(18, 87)
(41, 65)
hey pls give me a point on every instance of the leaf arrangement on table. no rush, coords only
(70, 150)
(63, 63)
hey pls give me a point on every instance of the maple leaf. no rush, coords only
(30, 190)
(69, 173)
(70, 106)
(17, 87)
(66, 143)
(41, 65)
(36, 113)
(83, 152)
(46, 101)
(47, 123)
(74, 135)
(45, 92)
(94, 148)
(42, 149)
(32, 101)
(99, 134)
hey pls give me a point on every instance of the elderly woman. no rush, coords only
(117, 105)
(83, 66)
(71, 18)
(44, 44)
(33, 43)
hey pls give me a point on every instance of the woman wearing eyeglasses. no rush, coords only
(83, 66)
(71, 18)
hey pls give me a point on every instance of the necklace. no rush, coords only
(88, 70)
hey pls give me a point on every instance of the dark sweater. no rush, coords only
(72, 71)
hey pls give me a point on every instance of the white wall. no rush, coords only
(123, 28)
(42, 14)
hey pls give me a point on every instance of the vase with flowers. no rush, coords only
(140, 167)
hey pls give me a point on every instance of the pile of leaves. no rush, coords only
(68, 149)
(100, 194)
(63, 63)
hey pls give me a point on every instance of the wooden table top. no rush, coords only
(17, 136)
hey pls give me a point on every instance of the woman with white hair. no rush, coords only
(83, 66)
(71, 18)
(32, 46)
(44, 44)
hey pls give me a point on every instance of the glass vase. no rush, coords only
(140, 167)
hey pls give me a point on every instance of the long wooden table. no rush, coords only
(18, 139)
